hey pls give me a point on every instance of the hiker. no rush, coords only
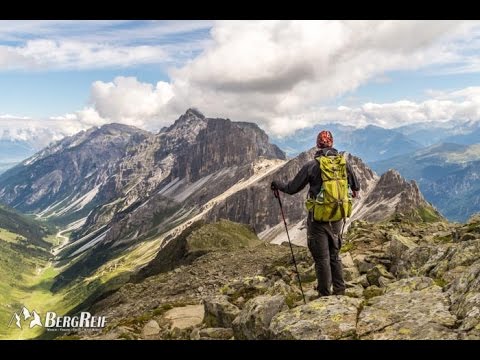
(324, 236)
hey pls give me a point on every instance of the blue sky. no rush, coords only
(59, 77)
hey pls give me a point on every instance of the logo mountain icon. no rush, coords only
(36, 320)
(26, 314)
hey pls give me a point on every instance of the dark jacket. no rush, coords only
(310, 174)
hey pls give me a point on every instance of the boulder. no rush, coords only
(185, 316)
(347, 260)
(376, 272)
(307, 275)
(363, 266)
(372, 291)
(247, 287)
(464, 293)
(361, 280)
(150, 328)
(398, 246)
(413, 308)
(355, 291)
(219, 312)
(329, 317)
(350, 273)
(254, 320)
(291, 294)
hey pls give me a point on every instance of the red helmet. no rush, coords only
(324, 139)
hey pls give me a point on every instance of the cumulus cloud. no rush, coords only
(131, 102)
(279, 74)
(125, 100)
(276, 73)
(462, 105)
(38, 132)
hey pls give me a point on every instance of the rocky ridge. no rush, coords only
(405, 280)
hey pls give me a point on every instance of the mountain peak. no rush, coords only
(194, 112)
(117, 127)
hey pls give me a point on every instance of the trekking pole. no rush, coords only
(277, 195)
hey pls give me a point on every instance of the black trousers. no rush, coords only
(324, 243)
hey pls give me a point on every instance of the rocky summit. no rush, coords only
(405, 280)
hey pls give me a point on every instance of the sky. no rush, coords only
(61, 77)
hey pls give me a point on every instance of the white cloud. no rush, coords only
(50, 54)
(278, 74)
(39, 132)
(131, 102)
(125, 100)
(462, 105)
(46, 45)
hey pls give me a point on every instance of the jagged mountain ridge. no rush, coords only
(165, 180)
(380, 198)
(198, 168)
(370, 143)
(447, 174)
(68, 179)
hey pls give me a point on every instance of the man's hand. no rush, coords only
(354, 194)
(274, 185)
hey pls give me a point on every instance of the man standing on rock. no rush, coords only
(323, 237)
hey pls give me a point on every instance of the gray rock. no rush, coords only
(283, 273)
(411, 308)
(350, 273)
(150, 328)
(363, 266)
(361, 280)
(398, 246)
(330, 317)
(308, 275)
(291, 294)
(372, 291)
(347, 260)
(383, 281)
(376, 272)
(464, 293)
(355, 291)
(219, 312)
(184, 317)
(253, 321)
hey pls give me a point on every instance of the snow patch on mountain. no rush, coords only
(81, 202)
(91, 243)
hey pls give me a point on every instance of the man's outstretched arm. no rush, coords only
(296, 185)
(352, 179)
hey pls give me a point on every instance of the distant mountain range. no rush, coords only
(374, 143)
(13, 152)
(370, 143)
(448, 175)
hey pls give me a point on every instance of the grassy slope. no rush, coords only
(25, 270)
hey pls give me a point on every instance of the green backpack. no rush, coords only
(333, 202)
